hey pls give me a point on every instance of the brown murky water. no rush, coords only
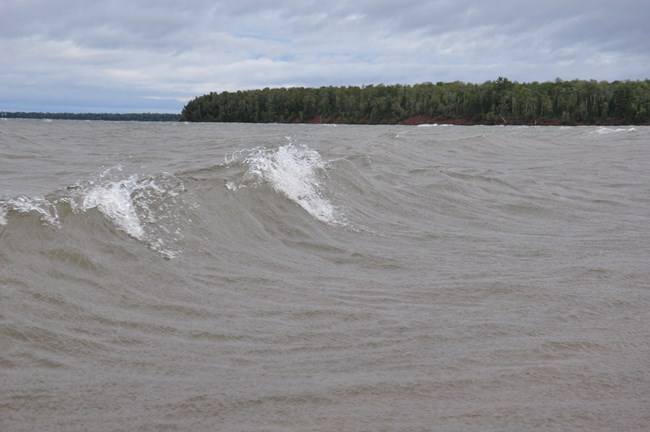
(319, 278)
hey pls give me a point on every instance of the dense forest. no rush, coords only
(92, 116)
(576, 102)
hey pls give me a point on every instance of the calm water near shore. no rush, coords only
(246, 277)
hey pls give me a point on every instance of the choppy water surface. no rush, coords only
(290, 277)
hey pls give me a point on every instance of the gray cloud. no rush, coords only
(136, 55)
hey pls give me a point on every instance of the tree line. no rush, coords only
(157, 117)
(577, 102)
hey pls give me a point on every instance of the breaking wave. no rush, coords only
(151, 209)
(144, 207)
(295, 172)
(609, 130)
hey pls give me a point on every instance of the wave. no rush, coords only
(157, 209)
(607, 130)
(295, 172)
(22, 204)
(144, 207)
(292, 193)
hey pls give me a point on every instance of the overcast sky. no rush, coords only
(155, 55)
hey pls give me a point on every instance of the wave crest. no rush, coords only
(294, 171)
(146, 208)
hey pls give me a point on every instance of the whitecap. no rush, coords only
(606, 130)
(147, 209)
(113, 200)
(23, 204)
(294, 172)
(144, 208)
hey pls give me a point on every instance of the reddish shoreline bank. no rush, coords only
(424, 119)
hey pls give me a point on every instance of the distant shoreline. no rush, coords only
(500, 102)
(146, 117)
(318, 119)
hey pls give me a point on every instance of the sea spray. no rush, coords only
(147, 208)
(294, 171)
(46, 211)
(113, 199)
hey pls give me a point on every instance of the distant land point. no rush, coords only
(502, 101)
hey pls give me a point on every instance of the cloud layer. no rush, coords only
(143, 55)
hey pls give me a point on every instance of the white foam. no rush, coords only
(293, 171)
(113, 199)
(23, 204)
(127, 203)
(147, 209)
(606, 130)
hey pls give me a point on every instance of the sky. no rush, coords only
(125, 56)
